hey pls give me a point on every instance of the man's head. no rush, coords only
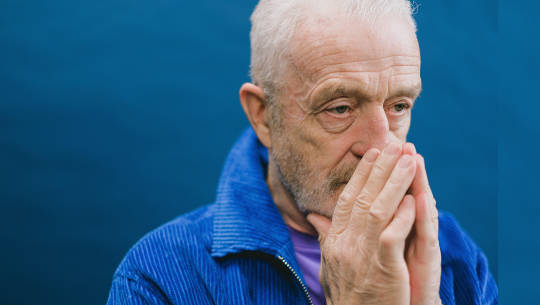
(332, 78)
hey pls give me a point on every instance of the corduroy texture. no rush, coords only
(229, 252)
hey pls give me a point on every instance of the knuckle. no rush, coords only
(345, 197)
(432, 242)
(387, 268)
(366, 195)
(435, 216)
(378, 215)
(362, 203)
(389, 239)
(378, 168)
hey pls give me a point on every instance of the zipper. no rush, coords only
(298, 279)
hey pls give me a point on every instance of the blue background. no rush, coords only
(519, 150)
(116, 116)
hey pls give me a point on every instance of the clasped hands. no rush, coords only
(381, 246)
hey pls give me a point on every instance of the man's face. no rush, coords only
(350, 87)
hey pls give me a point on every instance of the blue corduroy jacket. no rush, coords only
(238, 250)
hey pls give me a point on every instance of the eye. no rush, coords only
(400, 107)
(339, 109)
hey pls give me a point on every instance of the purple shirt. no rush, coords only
(308, 255)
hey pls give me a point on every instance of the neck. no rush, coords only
(285, 202)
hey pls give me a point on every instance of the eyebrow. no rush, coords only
(337, 90)
(333, 91)
(412, 92)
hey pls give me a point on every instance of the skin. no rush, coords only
(340, 167)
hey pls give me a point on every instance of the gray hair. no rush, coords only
(274, 23)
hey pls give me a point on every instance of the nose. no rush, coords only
(371, 130)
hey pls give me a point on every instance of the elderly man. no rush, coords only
(322, 200)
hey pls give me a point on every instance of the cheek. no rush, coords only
(322, 150)
(334, 125)
(399, 127)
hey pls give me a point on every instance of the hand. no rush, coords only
(423, 254)
(362, 249)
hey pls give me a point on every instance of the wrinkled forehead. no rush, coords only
(321, 41)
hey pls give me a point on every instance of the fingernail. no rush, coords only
(409, 148)
(405, 161)
(393, 149)
(371, 155)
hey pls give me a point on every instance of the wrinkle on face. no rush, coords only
(321, 52)
(370, 65)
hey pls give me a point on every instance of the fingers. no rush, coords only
(384, 207)
(392, 239)
(426, 231)
(420, 183)
(409, 149)
(424, 255)
(381, 171)
(345, 202)
(382, 168)
(420, 187)
(321, 224)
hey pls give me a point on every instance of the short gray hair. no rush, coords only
(274, 23)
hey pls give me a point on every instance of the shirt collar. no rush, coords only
(246, 217)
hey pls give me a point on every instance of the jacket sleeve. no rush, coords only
(133, 291)
(465, 276)
(487, 287)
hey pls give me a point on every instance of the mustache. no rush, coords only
(340, 175)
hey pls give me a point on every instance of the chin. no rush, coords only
(326, 204)
(327, 209)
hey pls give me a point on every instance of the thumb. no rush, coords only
(320, 223)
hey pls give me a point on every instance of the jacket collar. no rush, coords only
(246, 217)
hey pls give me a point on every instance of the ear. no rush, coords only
(255, 107)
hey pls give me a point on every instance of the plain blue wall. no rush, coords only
(519, 151)
(117, 115)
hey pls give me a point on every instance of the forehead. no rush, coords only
(323, 45)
